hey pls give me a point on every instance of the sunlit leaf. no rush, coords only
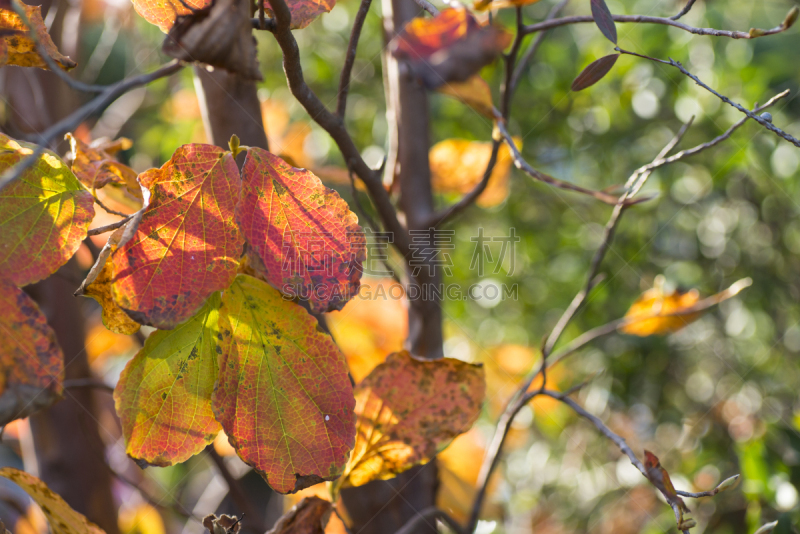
(305, 11)
(19, 48)
(309, 516)
(474, 92)
(408, 410)
(163, 396)
(283, 396)
(44, 215)
(96, 168)
(594, 72)
(604, 20)
(31, 362)
(114, 318)
(652, 313)
(461, 46)
(458, 165)
(304, 236)
(163, 13)
(62, 518)
(187, 245)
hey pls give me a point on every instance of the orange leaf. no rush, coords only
(187, 245)
(303, 238)
(163, 13)
(31, 362)
(659, 477)
(96, 168)
(305, 11)
(19, 48)
(408, 410)
(452, 46)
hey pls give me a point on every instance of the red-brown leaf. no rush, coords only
(304, 238)
(604, 20)
(187, 245)
(305, 11)
(31, 362)
(309, 516)
(594, 72)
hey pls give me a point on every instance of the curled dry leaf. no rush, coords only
(309, 516)
(408, 410)
(163, 396)
(223, 524)
(31, 362)
(474, 92)
(283, 395)
(450, 47)
(96, 167)
(218, 35)
(62, 518)
(304, 11)
(457, 166)
(187, 245)
(659, 477)
(17, 46)
(44, 215)
(163, 13)
(594, 72)
(303, 238)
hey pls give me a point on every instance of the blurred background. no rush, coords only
(719, 397)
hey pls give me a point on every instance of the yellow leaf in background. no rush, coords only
(140, 519)
(483, 5)
(62, 518)
(651, 313)
(18, 48)
(457, 166)
(474, 92)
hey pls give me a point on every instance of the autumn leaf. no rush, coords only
(44, 215)
(224, 524)
(31, 362)
(187, 245)
(309, 516)
(17, 46)
(658, 312)
(474, 92)
(659, 477)
(304, 11)
(594, 72)
(283, 395)
(163, 396)
(408, 410)
(304, 239)
(163, 13)
(450, 47)
(458, 165)
(96, 168)
(62, 518)
(114, 317)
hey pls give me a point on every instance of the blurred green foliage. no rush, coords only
(717, 398)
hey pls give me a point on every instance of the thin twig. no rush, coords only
(646, 19)
(93, 107)
(684, 11)
(526, 58)
(109, 227)
(106, 208)
(334, 125)
(350, 57)
(426, 516)
(762, 121)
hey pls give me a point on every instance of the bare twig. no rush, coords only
(526, 58)
(350, 58)
(333, 125)
(266, 24)
(109, 227)
(427, 6)
(646, 19)
(762, 121)
(426, 516)
(97, 105)
(106, 208)
(237, 492)
(683, 11)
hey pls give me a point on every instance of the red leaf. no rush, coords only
(163, 396)
(187, 245)
(604, 20)
(594, 72)
(305, 11)
(44, 215)
(461, 46)
(31, 362)
(283, 395)
(304, 239)
(408, 410)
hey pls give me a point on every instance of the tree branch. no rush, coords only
(427, 6)
(646, 19)
(526, 59)
(333, 125)
(350, 58)
(683, 11)
(97, 105)
(267, 25)
(426, 515)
